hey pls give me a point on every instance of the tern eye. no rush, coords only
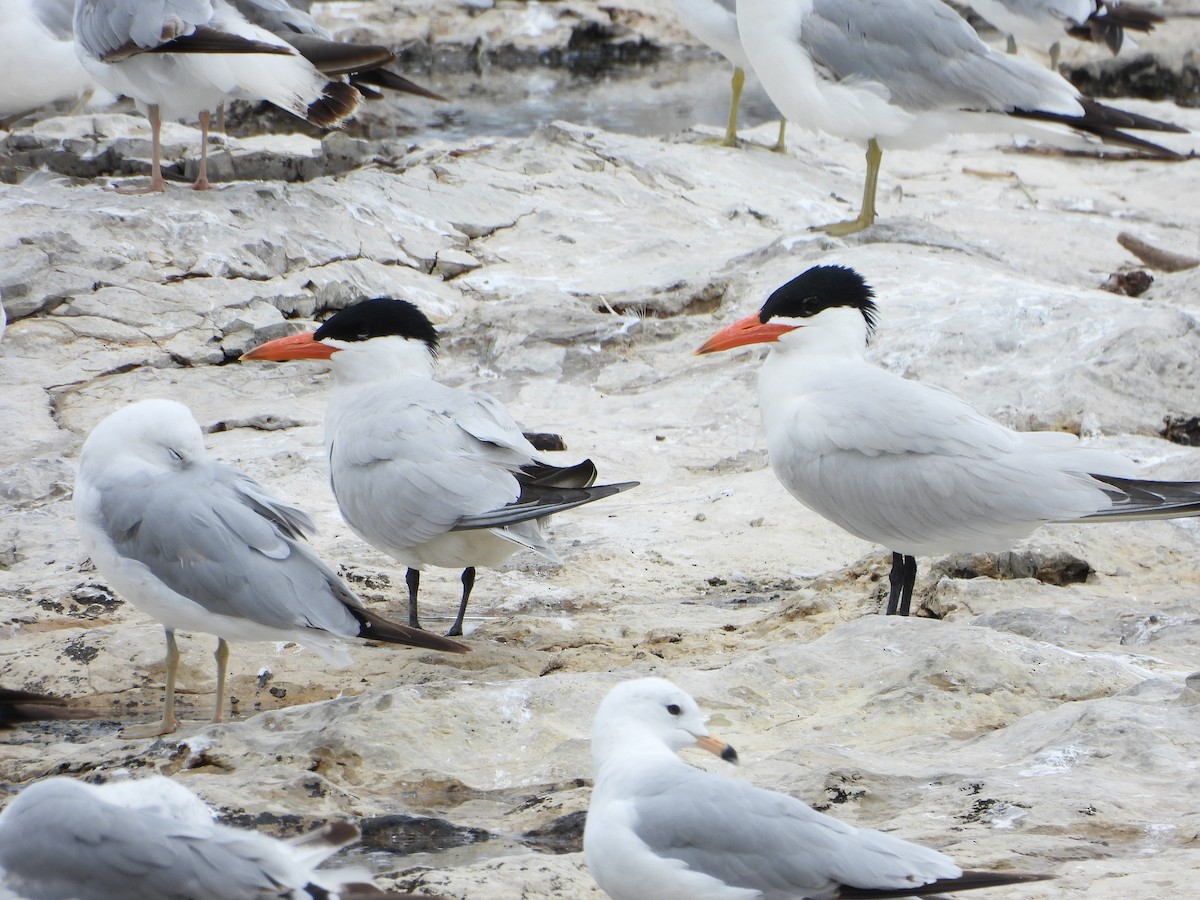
(674, 709)
(175, 453)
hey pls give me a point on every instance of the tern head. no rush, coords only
(160, 432)
(828, 297)
(373, 340)
(653, 709)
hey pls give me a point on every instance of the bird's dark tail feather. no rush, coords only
(1108, 25)
(387, 79)
(26, 706)
(206, 40)
(539, 500)
(377, 628)
(968, 881)
(1106, 122)
(338, 101)
(580, 475)
(1134, 499)
(339, 58)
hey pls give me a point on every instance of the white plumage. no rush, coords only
(199, 546)
(37, 56)
(657, 827)
(183, 58)
(906, 74)
(431, 475)
(153, 839)
(910, 466)
(715, 23)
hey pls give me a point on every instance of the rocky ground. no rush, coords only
(1043, 713)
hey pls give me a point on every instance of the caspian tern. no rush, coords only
(431, 475)
(202, 547)
(910, 466)
(657, 827)
(363, 63)
(715, 23)
(153, 839)
(905, 74)
(183, 58)
(1044, 23)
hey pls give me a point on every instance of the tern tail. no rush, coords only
(1134, 499)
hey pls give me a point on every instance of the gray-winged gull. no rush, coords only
(199, 546)
(906, 74)
(660, 828)
(153, 839)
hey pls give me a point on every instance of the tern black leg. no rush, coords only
(413, 579)
(902, 578)
(468, 580)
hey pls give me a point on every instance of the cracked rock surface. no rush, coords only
(1039, 726)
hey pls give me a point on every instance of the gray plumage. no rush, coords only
(152, 839)
(201, 547)
(657, 827)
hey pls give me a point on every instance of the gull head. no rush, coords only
(162, 433)
(653, 710)
(824, 306)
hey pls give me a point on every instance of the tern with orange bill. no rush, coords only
(906, 465)
(430, 475)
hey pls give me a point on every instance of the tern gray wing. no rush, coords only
(928, 59)
(762, 840)
(216, 537)
(408, 467)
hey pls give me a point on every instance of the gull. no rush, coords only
(1043, 23)
(38, 65)
(657, 827)
(153, 839)
(910, 466)
(715, 23)
(183, 58)
(907, 73)
(430, 475)
(202, 547)
(363, 63)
